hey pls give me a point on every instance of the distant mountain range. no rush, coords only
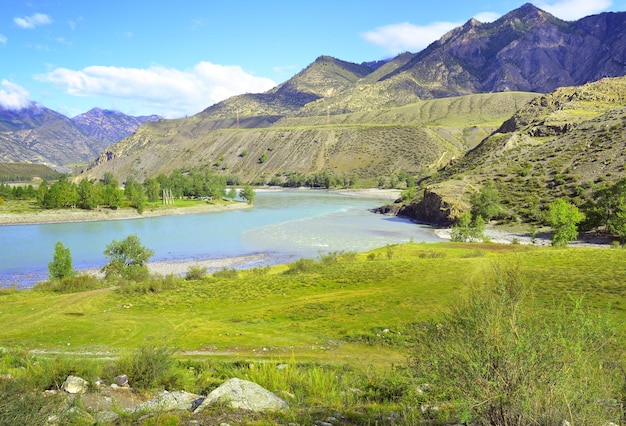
(380, 118)
(414, 113)
(40, 135)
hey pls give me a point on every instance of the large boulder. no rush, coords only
(244, 395)
(74, 384)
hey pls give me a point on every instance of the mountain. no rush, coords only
(107, 126)
(371, 119)
(562, 144)
(37, 134)
(416, 138)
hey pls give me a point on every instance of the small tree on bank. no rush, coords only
(126, 257)
(248, 194)
(564, 217)
(61, 265)
(468, 229)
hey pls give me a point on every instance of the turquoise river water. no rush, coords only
(284, 225)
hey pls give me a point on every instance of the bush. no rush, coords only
(499, 359)
(195, 272)
(72, 284)
(301, 266)
(147, 368)
(227, 273)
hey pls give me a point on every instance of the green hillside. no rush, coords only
(558, 145)
(26, 172)
(416, 138)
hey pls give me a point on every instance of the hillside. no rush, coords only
(415, 138)
(558, 145)
(337, 102)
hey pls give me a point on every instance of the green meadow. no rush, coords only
(342, 321)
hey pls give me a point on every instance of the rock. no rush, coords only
(122, 380)
(74, 384)
(170, 401)
(244, 395)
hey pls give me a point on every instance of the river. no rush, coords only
(284, 225)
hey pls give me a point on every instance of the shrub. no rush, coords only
(301, 266)
(147, 367)
(502, 360)
(195, 272)
(73, 284)
(226, 273)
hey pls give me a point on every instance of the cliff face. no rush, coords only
(431, 209)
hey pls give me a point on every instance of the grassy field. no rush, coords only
(327, 310)
(341, 322)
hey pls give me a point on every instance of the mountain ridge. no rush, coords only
(37, 134)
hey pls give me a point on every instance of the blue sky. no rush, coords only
(177, 58)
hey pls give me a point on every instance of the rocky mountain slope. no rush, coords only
(416, 138)
(107, 126)
(527, 50)
(337, 103)
(40, 135)
(561, 144)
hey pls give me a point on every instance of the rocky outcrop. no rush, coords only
(432, 209)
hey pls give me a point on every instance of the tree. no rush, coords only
(466, 229)
(89, 195)
(153, 189)
(486, 202)
(42, 191)
(135, 194)
(61, 265)
(564, 218)
(126, 257)
(248, 194)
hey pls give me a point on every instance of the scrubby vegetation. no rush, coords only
(458, 332)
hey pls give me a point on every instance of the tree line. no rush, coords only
(108, 192)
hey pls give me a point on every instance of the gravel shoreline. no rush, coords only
(502, 236)
(78, 215)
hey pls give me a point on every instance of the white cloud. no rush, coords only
(487, 16)
(398, 38)
(3, 39)
(165, 91)
(571, 10)
(13, 96)
(33, 21)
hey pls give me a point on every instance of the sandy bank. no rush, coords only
(504, 236)
(181, 267)
(78, 215)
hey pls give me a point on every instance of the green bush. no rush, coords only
(301, 266)
(195, 272)
(71, 284)
(499, 359)
(148, 367)
(227, 273)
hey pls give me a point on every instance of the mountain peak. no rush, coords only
(527, 14)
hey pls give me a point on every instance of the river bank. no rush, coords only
(101, 214)
(502, 235)
(79, 215)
